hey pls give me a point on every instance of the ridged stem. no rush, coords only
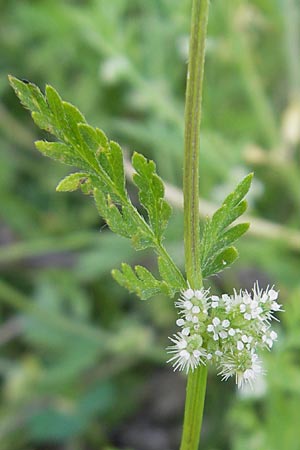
(196, 385)
(192, 142)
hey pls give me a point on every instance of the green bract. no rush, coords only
(102, 175)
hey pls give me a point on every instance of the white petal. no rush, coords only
(240, 345)
(185, 354)
(188, 305)
(189, 293)
(216, 321)
(223, 334)
(199, 294)
(186, 331)
(275, 306)
(273, 295)
(180, 322)
(273, 335)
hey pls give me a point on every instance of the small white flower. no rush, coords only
(189, 293)
(269, 337)
(186, 331)
(240, 345)
(268, 302)
(273, 335)
(218, 328)
(273, 295)
(214, 301)
(180, 322)
(188, 352)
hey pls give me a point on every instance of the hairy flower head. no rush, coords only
(227, 331)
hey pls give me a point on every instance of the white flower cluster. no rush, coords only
(226, 331)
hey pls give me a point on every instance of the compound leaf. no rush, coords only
(103, 175)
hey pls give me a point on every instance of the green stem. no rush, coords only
(196, 385)
(191, 150)
(195, 395)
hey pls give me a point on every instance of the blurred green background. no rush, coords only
(82, 362)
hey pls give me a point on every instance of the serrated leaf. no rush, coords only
(239, 192)
(101, 160)
(230, 236)
(117, 221)
(72, 117)
(222, 261)
(32, 98)
(234, 213)
(30, 95)
(140, 281)
(90, 137)
(216, 236)
(151, 193)
(56, 111)
(72, 182)
(60, 152)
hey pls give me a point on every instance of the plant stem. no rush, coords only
(191, 150)
(196, 385)
(195, 395)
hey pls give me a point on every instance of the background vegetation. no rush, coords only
(82, 363)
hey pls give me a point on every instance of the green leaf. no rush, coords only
(121, 220)
(103, 175)
(92, 139)
(32, 98)
(62, 153)
(217, 237)
(228, 237)
(73, 182)
(29, 94)
(111, 159)
(151, 194)
(140, 281)
(222, 261)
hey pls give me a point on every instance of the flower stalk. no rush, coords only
(196, 385)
